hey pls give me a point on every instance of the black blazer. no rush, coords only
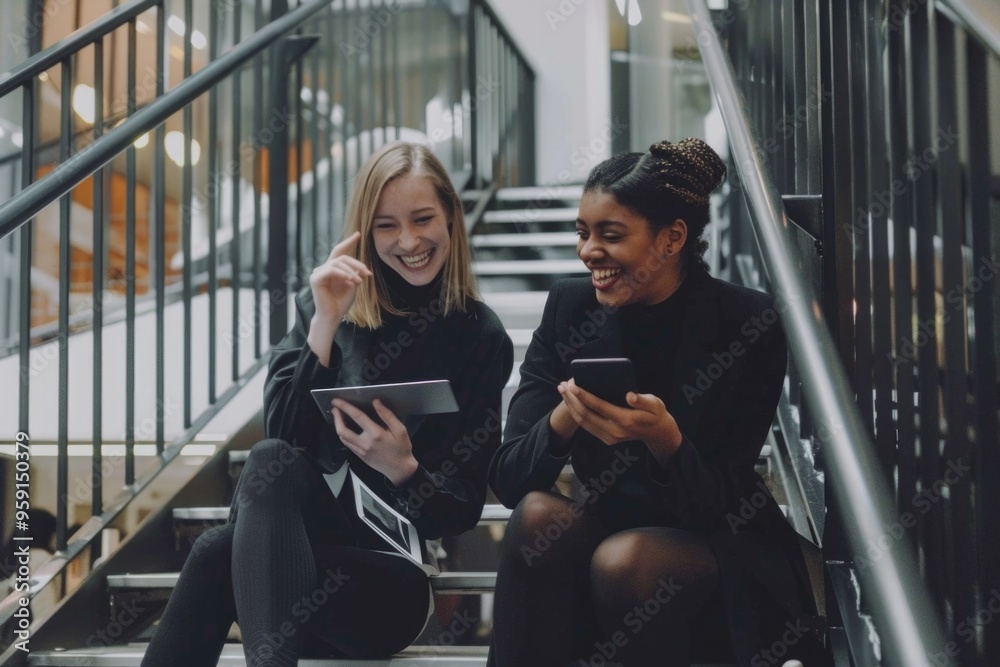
(472, 350)
(728, 375)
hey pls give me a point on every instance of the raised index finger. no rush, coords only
(345, 246)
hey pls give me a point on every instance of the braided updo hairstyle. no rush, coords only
(670, 181)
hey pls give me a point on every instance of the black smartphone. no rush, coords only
(608, 379)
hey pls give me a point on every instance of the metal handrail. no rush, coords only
(901, 606)
(980, 18)
(72, 43)
(30, 201)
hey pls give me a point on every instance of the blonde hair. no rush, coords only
(390, 162)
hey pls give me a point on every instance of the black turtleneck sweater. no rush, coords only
(469, 348)
(650, 336)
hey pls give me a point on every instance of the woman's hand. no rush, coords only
(386, 449)
(334, 285)
(647, 420)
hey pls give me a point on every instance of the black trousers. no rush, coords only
(297, 573)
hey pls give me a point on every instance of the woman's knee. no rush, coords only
(212, 550)
(274, 469)
(645, 562)
(540, 522)
(617, 560)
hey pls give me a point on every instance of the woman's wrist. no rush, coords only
(562, 427)
(320, 339)
(405, 472)
(663, 450)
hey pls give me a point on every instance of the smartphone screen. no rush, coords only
(608, 379)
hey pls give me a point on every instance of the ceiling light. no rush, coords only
(675, 17)
(83, 102)
(176, 23)
(634, 15)
(174, 144)
(198, 39)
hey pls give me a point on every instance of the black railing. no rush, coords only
(209, 249)
(875, 122)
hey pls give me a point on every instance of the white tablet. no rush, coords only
(387, 522)
(426, 397)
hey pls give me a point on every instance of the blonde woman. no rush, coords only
(395, 301)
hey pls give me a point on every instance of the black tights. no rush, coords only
(284, 570)
(571, 591)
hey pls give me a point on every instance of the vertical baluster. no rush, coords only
(951, 222)
(65, 277)
(97, 284)
(159, 236)
(213, 202)
(300, 227)
(236, 179)
(882, 192)
(902, 297)
(130, 241)
(470, 123)
(258, 186)
(187, 199)
(984, 374)
(924, 94)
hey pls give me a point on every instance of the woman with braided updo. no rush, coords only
(674, 549)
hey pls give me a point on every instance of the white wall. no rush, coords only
(566, 42)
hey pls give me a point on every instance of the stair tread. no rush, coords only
(445, 581)
(232, 654)
(540, 193)
(539, 239)
(531, 215)
(491, 513)
(131, 655)
(528, 266)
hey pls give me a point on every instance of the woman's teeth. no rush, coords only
(603, 276)
(416, 261)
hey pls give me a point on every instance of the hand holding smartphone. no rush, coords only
(608, 379)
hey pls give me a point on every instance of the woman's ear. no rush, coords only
(669, 240)
(676, 235)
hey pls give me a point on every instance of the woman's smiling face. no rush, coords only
(628, 263)
(410, 229)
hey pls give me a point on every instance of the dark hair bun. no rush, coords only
(689, 169)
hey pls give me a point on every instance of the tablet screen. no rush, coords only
(403, 398)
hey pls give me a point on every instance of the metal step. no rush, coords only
(526, 239)
(232, 656)
(456, 583)
(491, 514)
(540, 193)
(529, 267)
(531, 215)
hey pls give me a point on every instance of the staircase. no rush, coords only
(523, 243)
